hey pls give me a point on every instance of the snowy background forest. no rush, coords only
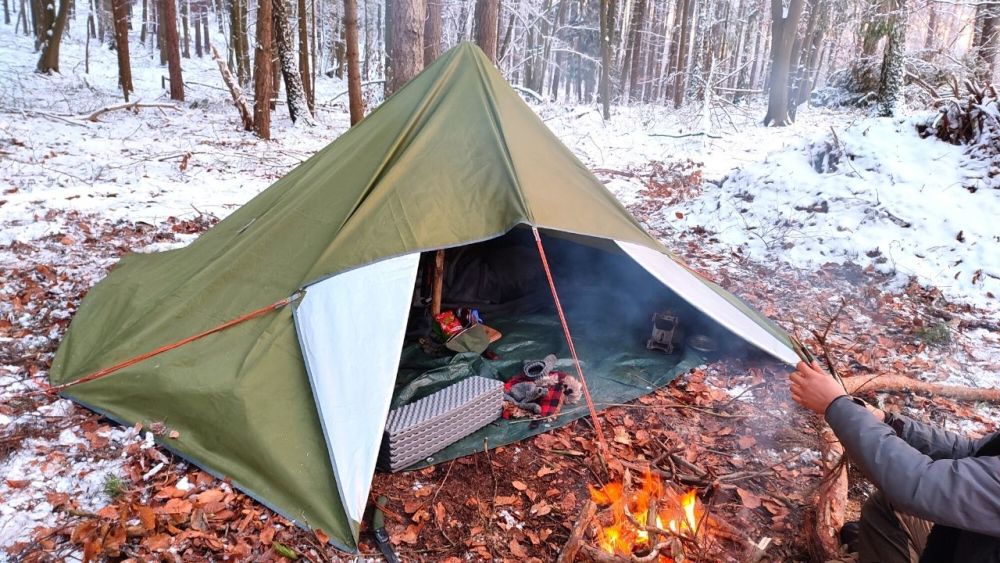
(833, 162)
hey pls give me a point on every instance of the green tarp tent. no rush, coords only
(290, 406)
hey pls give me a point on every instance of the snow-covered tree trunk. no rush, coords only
(53, 25)
(298, 108)
(890, 90)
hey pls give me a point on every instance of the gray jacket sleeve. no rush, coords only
(935, 442)
(962, 493)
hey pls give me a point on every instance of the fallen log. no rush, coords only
(890, 383)
(131, 105)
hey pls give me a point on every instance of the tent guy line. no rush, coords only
(598, 429)
(281, 303)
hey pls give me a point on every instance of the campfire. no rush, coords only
(653, 522)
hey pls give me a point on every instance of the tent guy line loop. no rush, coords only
(602, 443)
(167, 347)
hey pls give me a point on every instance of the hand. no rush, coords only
(812, 388)
(876, 412)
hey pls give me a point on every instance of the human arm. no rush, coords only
(962, 493)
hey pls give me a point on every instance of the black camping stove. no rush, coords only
(668, 335)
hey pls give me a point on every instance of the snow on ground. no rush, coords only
(833, 187)
(39, 477)
(143, 166)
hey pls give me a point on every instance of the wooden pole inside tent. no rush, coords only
(437, 284)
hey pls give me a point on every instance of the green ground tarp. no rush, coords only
(617, 368)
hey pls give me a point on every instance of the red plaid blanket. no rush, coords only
(549, 403)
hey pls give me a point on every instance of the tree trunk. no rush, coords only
(54, 24)
(432, 32)
(262, 81)
(6, 13)
(186, 26)
(353, 68)
(38, 22)
(932, 25)
(142, 29)
(161, 27)
(307, 86)
(632, 65)
(240, 43)
(407, 46)
(890, 89)
(606, 20)
(387, 39)
(486, 21)
(985, 42)
(557, 67)
(173, 50)
(119, 11)
(297, 106)
(783, 32)
(508, 34)
(683, 40)
(197, 31)
(206, 45)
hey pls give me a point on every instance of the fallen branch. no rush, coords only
(131, 105)
(890, 383)
(683, 135)
(235, 91)
(573, 545)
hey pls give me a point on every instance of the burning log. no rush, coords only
(639, 519)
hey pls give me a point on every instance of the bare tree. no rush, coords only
(263, 84)
(783, 32)
(406, 50)
(119, 10)
(487, 18)
(353, 68)
(172, 47)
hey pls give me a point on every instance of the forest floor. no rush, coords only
(841, 224)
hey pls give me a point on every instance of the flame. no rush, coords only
(627, 531)
(688, 504)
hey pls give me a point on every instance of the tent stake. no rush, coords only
(437, 284)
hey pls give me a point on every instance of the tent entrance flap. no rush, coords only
(350, 329)
(699, 294)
